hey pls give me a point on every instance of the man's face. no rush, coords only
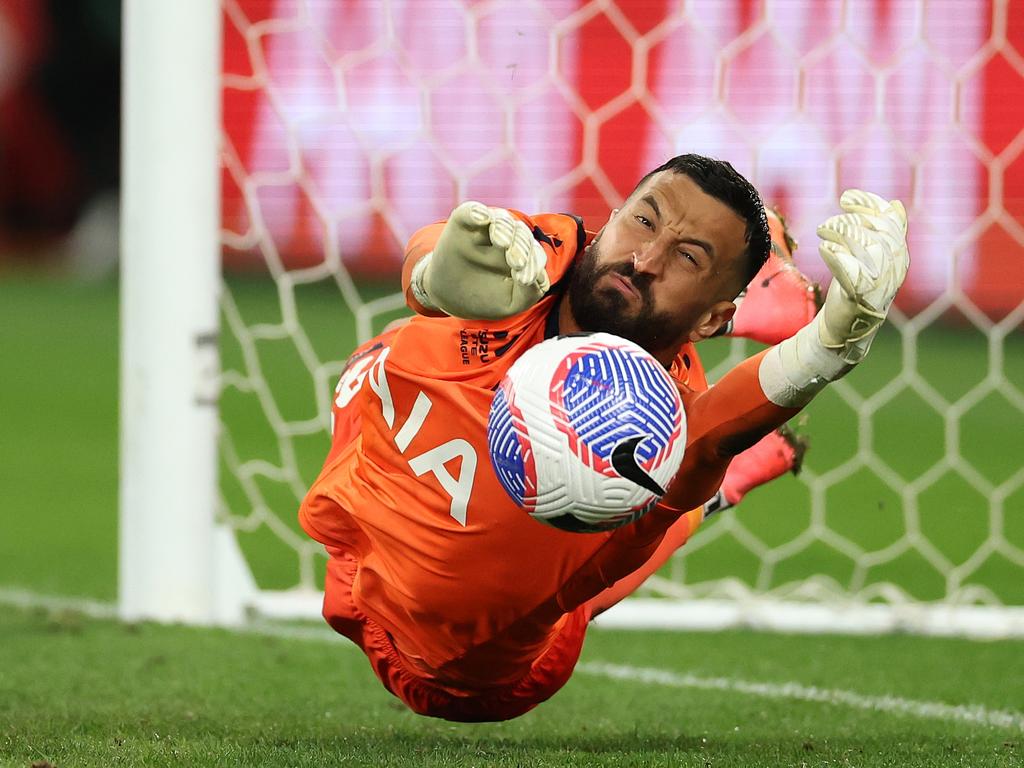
(664, 269)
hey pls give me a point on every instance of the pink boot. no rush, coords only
(780, 300)
(774, 455)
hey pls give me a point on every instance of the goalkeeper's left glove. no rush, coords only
(866, 250)
(486, 265)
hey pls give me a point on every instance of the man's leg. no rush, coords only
(772, 456)
(780, 300)
(546, 676)
(339, 609)
(345, 618)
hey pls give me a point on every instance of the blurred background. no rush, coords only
(563, 105)
(60, 70)
(382, 115)
(347, 124)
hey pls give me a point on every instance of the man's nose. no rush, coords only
(649, 258)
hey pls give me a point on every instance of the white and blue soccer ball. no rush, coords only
(586, 432)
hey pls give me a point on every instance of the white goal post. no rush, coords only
(312, 92)
(176, 562)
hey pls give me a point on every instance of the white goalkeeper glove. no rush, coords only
(866, 251)
(486, 266)
(865, 248)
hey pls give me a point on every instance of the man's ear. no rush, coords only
(600, 232)
(714, 318)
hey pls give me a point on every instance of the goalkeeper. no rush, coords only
(466, 608)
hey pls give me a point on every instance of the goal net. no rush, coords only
(348, 124)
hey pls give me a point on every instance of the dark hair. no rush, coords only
(723, 182)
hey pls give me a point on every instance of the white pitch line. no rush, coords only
(23, 598)
(930, 710)
(97, 609)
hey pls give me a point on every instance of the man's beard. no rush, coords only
(607, 309)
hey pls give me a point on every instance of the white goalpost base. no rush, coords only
(759, 613)
(753, 612)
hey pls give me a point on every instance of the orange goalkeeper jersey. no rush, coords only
(467, 583)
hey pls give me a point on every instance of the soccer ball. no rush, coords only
(586, 431)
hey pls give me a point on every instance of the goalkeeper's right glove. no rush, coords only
(486, 265)
(866, 250)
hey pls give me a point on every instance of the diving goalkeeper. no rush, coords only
(466, 607)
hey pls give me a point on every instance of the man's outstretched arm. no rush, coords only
(865, 249)
(772, 456)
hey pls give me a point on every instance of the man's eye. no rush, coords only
(644, 221)
(688, 255)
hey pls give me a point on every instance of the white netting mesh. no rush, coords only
(350, 124)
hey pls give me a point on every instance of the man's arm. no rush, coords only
(775, 454)
(865, 249)
(420, 244)
(482, 264)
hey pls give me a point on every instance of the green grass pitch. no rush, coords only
(78, 691)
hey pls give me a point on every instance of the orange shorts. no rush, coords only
(547, 675)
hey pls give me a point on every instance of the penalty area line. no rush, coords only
(972, 714)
